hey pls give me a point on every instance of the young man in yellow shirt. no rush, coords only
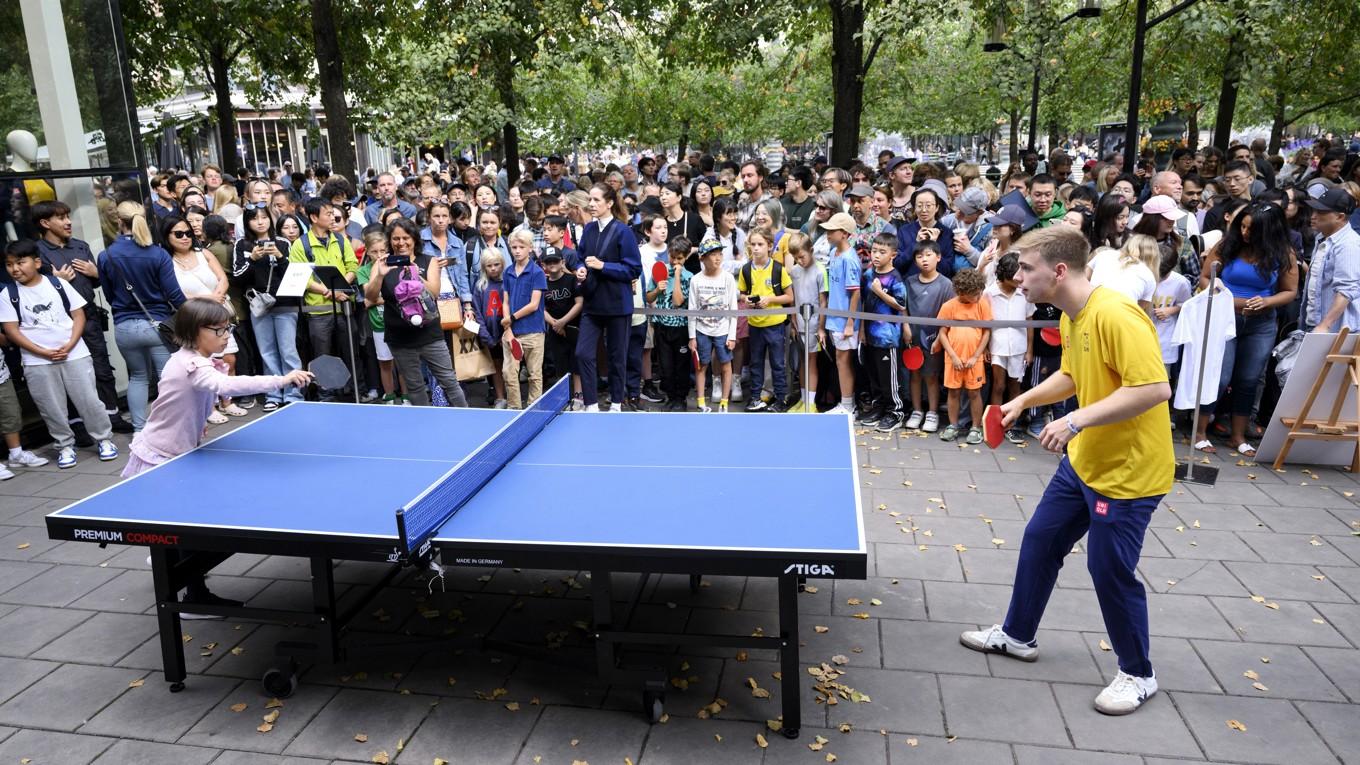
(1119, 463)
(325, 244)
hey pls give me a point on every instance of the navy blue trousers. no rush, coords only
(637, 345)
(615, 332)
(1114, 528)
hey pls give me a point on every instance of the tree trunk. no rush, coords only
(331, 76)
(1192, 128)
(1277, 124)
(505, 84)
(1014, 152)
(684, 141)
(1227, 94)
(226, 116)
(847, 79)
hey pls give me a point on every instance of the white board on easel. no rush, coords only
(1307, 367)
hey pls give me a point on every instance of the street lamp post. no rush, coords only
(1141, 26)
(1086, 9)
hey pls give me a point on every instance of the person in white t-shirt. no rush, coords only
(1011, 348)
(45, 316)
(1131, 270)
(1171, 293)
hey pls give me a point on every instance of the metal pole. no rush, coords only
(1203, 355)
(1135, 88)
(805, 313)
(353, 360)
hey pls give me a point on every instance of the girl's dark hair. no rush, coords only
(675, 188)
(482, 185)
(387, 216)
(407, 225)
(695, 187)
(217, 229)
(616, 205)
(460, 210)
(246, 217)
(1170, 259)
(1107, 212)
(169, 224)
(721, 206)
(1268, 240)
(1088, 219)
(194, 314)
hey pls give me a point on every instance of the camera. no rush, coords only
(398, 261)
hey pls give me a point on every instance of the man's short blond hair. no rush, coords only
(1057, 244)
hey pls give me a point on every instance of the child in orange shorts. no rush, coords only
(965, 351)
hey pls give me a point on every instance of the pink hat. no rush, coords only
(1164, 206)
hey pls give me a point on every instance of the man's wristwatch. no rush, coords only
(1072, 426)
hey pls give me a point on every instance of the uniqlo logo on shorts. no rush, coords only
(1102, 507)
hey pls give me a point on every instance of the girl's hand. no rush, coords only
(731, 344)
(694, 346)
(298, 377)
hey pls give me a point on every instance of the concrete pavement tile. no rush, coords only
(30, 483)
(931, 480)
(15, 573)
(282, 567)
(930, 647)
(1175, 615)
(904, 600)
(1209, 517)
(456, 731)
(287, 595)
(573, 681)
(79, 553)
(15, 505)
(378, 671)
(253, 758)
(102, 639)
(1156, 728)
(960, 603)
(1312, 495)
(1345, 577)
(735, 689)
(227, 635)
(866, 746)
(959, 458)
(129, 592)
(992, 566)
(901, 702)
(1229, 493)
(1341, 666)
(966, 503)
(1294, 548)
(69, 696)
(1339, 725)
(1037, 755)
(1072, 609)
(1292, 623)
(236, 565)
(7, 732)
(685, 740)
(385, 718)
(59, 587)
(148, 753)
(714, 591)
(1300, 520)
(1178, 666)
(153, 713)
(1208, 545)
(536, 582)
(1289, 675)
(1185, 576)
(78, 485)
(18, 674)
(846, 634)
(1275, 731)
(707, 621)
(1286, 580)
(1006, 483)
(225, 729)
(942, 751)
(702, 677)
(762, 594)
(1063, 657)
(938, 562)
(41, 747)
(598, 736)
(948, 531)
(1348, 545)
(1345, 618)
(28, 628)
(1020, 711)
(879, 526)
(472, 672)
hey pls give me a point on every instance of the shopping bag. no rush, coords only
(471, 359)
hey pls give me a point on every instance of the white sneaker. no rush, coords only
(736, 390)
(616, 407)
(717, 389)
(5, 473)
(27, 459)
(66, 458)
(838, 409)
(914, 421)
(500, 403)
(931, 422)
(995, 640)
(1125, 694)
(107, 451)
(592, 407)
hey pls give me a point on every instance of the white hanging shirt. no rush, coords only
(1190, 333)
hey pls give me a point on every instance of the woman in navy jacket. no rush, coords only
(611, 263)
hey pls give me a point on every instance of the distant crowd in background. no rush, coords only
(551, 275)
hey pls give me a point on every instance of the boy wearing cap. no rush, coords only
(842, 294)
(1333, 297)
(713, 337)
(562, 304)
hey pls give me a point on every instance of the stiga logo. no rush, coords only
(811, 569)
(120, 537)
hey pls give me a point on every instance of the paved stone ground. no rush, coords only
(1259, 574)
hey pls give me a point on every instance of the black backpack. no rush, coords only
(776, 277)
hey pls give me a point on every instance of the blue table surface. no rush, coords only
(748, 482)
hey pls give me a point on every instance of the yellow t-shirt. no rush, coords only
(1110, 344)
(763, 278)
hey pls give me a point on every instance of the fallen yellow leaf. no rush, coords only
(821, 630)
(1237, 726)
(272, 716)
(381, 758)
(239, 707)
(361, 738)
(137, 683)
(513, 706)
(860, 615)
(1251, 675)
(264, 727)
(1259, 687)
(760, 741)
(830, 757)
(23, 546)
(1104, 646)
(273, 704)
(912, 742)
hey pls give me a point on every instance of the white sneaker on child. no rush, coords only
(5, 473)
(1125, 694)
(26, 458)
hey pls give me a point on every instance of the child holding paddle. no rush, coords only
(964, 349)
(712, 338)
(809, 288)
(671, 337)
(927, 292)
(1010, 348)
(522, 325)
(884, 293)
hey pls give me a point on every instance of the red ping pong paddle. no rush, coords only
(1051, 335)
(659, 272)
(694, 356)
(913, 358)
(516, 350)
(992, 431)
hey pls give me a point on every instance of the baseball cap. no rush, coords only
(1333, 200)
(895, 163)
(709, 245)
(557, 158)
(840, 221)
(550, 253)
(1088, 164)
(1010, 215)
(972, 200)
(1319, 186)
(1163, 205)
(860, 190)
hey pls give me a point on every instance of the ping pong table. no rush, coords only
(647, 493)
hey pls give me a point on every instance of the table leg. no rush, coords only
(167, 618)
(323, 604)
(788, 655)
(602, 604)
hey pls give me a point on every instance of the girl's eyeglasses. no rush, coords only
(256, 206)
(182, 234)
(222, 331)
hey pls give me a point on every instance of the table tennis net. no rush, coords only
(422, 516)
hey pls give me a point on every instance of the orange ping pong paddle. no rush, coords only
(1051, 335)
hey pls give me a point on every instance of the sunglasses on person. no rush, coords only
(182, 234)
(222, 331)
(255, 206)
